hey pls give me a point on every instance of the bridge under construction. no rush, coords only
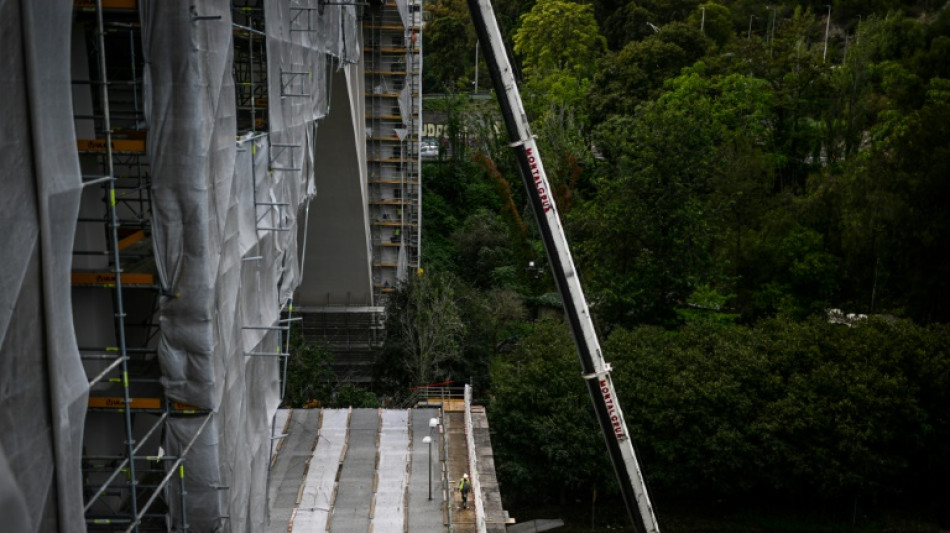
(162, 248)
(184, 182)
(384, 470)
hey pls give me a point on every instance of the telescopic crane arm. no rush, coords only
(596, 371)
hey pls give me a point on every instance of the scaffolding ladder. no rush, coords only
(393, 68)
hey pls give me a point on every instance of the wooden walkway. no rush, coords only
(463, 520)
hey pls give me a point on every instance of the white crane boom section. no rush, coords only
(596, 371)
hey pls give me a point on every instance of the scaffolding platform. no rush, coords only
(117, 404)
(131, 280)
(119, 146)
(90, 5)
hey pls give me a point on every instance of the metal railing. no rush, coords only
(480, 523)
(434, 393)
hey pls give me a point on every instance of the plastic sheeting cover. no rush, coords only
(40, 369)
(403, 7)
(190, 110)
(313, 510)
(224, 228)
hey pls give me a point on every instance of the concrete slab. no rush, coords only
(288, 467)
(389, 511)
(354, 497)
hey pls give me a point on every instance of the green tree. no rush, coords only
(689, 400)
(558, 36)
(628, 24)
(353, 396)
(807, 410)
(892, 215)
(423, 333)
(449, 41)
(484, 252)
(545, 437)
(309, 376)
(716, 21)
(494, 322)
(637, 72)
(669, 192)
(559, 43)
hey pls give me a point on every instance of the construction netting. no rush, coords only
(225, 228)
(224, 215)
(43, 388)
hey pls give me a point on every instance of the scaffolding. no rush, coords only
(250, 65)
(392, 35)
(125, 471)
(153, 252)
(149, 423)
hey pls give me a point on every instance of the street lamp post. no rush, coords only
(702, 22)
(428, 440)
(749, 34)
(476, 67)
(770, 32)
(824, 54)
(433, 423)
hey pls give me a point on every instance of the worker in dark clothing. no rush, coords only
(465, 486)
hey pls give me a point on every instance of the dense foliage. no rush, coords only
(311, 382)
(810, 412)
(727, 172)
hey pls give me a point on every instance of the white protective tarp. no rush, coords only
(223, 272)
(389, 514)
(224, 227)
(43, 389)
(316, 494)
(403, 7)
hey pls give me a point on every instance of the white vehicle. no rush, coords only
(429, 149)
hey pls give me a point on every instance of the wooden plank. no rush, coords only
(131, 239)
(106, 402)
(107, 279)
(178, 406)
(90, 5)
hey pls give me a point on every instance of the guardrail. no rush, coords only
(439, 392)
(480, 523)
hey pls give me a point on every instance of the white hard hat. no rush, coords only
(465, 475)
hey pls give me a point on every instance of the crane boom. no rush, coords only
(596, 371)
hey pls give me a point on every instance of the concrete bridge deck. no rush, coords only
(359, 470)
(368, 471)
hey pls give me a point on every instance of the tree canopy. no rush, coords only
(729, 173)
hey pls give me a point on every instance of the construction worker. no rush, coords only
(465, 486)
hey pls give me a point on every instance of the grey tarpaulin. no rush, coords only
(403, 7)
(190, 110)
(224, 231)
(227, 262)
(43, 389)
(316, 495)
